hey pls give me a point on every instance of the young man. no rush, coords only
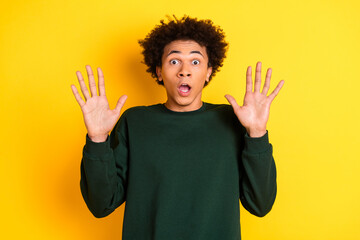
(181, 166)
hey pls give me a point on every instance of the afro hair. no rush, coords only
(201, 31)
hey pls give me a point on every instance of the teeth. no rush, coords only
(184, 88)
(185, 91)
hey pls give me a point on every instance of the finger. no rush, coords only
(92, 84)
(267, 81)
(276, 90)
(101, 82)
(248, 80)
(232, 102)
(257, 77)
(120, 103)
(77, 96)
(83, 87)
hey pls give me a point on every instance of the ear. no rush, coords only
(209, 71)
(158, 73)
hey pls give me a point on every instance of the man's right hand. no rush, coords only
(99, 118)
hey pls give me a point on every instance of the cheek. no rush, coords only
(169, 73)
(169, 80)
(201, 74)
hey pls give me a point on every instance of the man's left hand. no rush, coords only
(254, 113)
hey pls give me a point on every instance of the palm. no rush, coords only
(254, 113)
(99, 118)
(255, 110)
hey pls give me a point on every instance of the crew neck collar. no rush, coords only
(201, 109)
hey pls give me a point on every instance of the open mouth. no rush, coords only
(184, 88)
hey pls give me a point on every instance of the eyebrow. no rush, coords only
(175, 51)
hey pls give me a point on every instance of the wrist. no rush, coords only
(98, 138)
(255, 133)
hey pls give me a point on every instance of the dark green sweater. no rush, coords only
(181, 173)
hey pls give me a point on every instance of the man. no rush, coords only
(181, 166)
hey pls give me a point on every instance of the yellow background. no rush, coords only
(313, 126)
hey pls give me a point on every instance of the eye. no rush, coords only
(174, 61)
(196, 62)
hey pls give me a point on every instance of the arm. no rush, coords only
(258, 182)
(104, 166)
(104, 173)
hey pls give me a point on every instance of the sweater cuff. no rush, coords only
(256, 144)
(95, 148)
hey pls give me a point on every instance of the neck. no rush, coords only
(183, 108)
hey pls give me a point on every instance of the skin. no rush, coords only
(98, 117)
(182, 62)
(254, 113)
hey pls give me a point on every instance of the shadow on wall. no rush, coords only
(140, 87)
(147, 86)
(86, 224)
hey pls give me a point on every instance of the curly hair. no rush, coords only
(201, 31)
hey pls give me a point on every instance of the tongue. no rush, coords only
(184, 88)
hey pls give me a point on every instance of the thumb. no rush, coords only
(232, 102)
(120, 103)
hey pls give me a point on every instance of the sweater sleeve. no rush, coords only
(258, 182)
(104, 172)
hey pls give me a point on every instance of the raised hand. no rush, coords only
(99, 118)
(254, 113)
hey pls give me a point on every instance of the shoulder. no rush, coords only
(218, 107)
(224, 112)
(136, 115)
(140, 110)
(223, 109)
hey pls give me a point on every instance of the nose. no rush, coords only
(184, 71)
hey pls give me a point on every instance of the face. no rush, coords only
(184, 71)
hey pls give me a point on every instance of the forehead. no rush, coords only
(185, 47)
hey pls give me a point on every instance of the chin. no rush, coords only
(185, 101)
